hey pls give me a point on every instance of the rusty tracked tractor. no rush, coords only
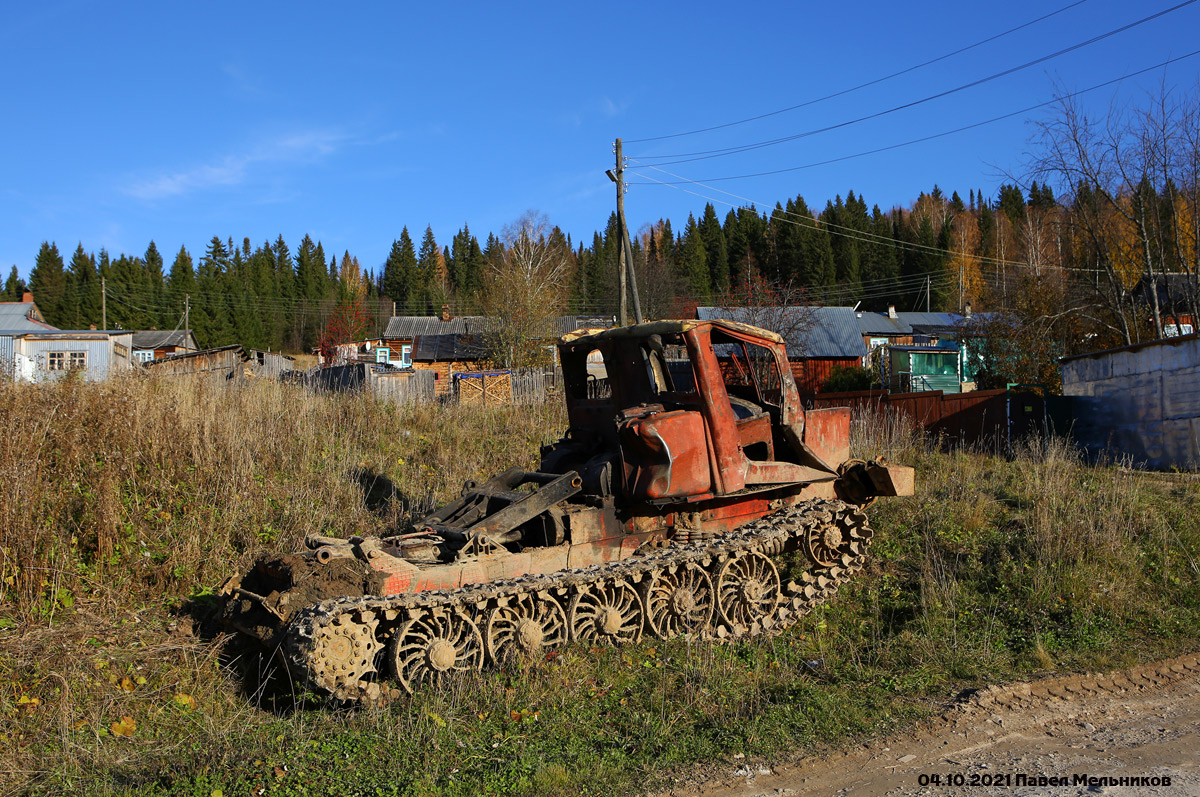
(688, 466)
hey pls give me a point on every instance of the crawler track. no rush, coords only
(372, 649)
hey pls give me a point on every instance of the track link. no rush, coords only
(369, 649)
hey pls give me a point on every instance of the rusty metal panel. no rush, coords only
(665, 455)
(827, 433)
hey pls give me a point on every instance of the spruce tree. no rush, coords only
(431, 271)
(211, 312)
(85, 282)
(692, 261)
(400, 274)
(846, 223)
(48, 282)
(716, 250)
(14, 286)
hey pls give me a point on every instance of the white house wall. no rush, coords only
(102, 360)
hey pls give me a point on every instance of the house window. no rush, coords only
(144, 355)
(406, 356)
(65, 360)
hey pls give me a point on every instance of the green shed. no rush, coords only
(915, 368)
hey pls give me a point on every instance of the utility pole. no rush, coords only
(187, 307)
(626, 275)
(927, 294)
(618, 177)
(103, 305)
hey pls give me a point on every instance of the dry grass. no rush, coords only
(128, 500)
(156, 487)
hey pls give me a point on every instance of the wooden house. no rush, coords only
(820, 340)
(399, 338)
(151, 344)
(447, 355)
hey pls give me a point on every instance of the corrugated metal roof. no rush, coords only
(153, 338)
(448, 348)
(71, 334)
(184, 355)
(834, 331)
(933, 323)
(570, 323)
(411, 326)
(879, 324)
(21, 317)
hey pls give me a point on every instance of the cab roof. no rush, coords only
(664, 328)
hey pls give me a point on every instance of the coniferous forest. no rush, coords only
(941, 252)
(1070, 271)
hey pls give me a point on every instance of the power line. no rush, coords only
(809, 221)
(851, 233)
(688, 157)
(852, 89)
(943, 134)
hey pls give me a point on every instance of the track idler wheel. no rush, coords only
(679, 600)
(747, 594)
(606, 613)
(343, 653)
(838, 541)
(433, 646)
(524, 626)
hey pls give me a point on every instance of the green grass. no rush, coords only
(127, 509)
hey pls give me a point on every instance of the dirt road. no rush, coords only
(1130, 733)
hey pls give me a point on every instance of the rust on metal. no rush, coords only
(659, 511)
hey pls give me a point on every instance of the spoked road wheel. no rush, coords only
(525, 625)
(747, 593)
(606, 613)
(679, 600)
(433, 646)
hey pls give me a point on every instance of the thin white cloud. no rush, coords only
(236, 169)
(229, 172)
(610, 108)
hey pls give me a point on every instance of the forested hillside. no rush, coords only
(1067, 268)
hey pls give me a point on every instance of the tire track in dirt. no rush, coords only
(1136, 732)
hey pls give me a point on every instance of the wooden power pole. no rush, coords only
(625, 269)
(618, 177)
(103, 304)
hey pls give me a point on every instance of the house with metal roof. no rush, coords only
(151, 344)
(48, 355)
(22, 316)
(818, 339)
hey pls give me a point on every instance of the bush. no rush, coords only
(847, 379)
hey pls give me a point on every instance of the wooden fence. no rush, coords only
(476, 388)
(402, 387)
(991, 419)
(536, 385)
(523, 386)
(484, 388)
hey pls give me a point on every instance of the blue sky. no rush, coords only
(126, 122)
